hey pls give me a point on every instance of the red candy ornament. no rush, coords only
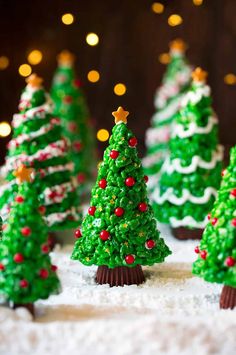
(203, 254)
(129, 259)
(42, 209)
(77, 146)
(54, 268)
(2, 267)
(18, 258)
(114, 154)
(119, 211)
(133, 142)
(214, 221)
(91, 210)
(143, 207)
(104, 235)
(233, 193)
(81, 178)
(197, 251)
(209, 216)
(26, 231)
(130, 181)
(145, 178)
(45, 248)
(230, 261)
(102, 183)
(43, 273)
(233, 222)
(19, 199)
(78, 233)
(150, 244)
(24, 283)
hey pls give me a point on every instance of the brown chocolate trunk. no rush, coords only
(28, 306)
(228, 297)
(183, 233)
(120, 276)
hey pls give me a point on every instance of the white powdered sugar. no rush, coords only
(173, 312)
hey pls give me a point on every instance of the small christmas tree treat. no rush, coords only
(119, 232)
(191, 175)
(175, 83)
(26, 272)
(38, 142)
(217, 251)
(71, 107)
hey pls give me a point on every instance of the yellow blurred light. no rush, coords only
(92, 39)
(67, 19)
(197, 2)
(35, 57)
(230, 79)
(164, 58)
(25, 70)
(157, 7)
(175, 20)
(120, 89)
(4, 62)
(5, 129)
(103, 135)
(93, 76)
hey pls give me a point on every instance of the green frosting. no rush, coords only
(129, 232)
(35, 270)
(219, 238)
(70, 106)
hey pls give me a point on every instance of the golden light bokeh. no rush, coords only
(67, 19)
(197, 2)
(5, 129)
(4, 62)
(25, 70)
(35, 57)
(175, 20)
(158, 7)
(92, 39)
(230, 79)
(164, 58)
(103, 135)
(120, 89)
(93, 76)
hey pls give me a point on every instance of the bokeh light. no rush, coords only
(25, 70)
(175, 20)
(230, 79)
(157, 7)
(4, 62)
(164, 58)
(5, 129)
(67, 19)
(197, 2)
(103, 135)
(35, 57)
(120, 89)
(92, 39)
(93, 76)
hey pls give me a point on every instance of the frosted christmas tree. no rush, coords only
(191, 175)
(119, 232)
(38, 142)
(26, 272)
(217, 250)
(167, 100)
(71, 107)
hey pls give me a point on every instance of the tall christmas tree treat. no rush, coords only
(119, 231)
(26, 272)
(71, 107)
(217, 251)
(175, 83)
(191, 175)
(38, 142)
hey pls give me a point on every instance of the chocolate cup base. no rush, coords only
(120, 275)
(183, 233)
(28, 306)
(228, 297)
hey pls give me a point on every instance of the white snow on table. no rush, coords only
(172, 313)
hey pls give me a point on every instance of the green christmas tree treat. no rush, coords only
(71, 107)
(217, 251)
(119, 232)
(191, 175)
(38, 142)
(26, 272)
(175, 83)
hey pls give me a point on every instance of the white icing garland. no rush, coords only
(168, 111)
(186, 196)
(60, 216)
(152, 159)
(157, 135)
(197, 162)
(196, 96)
(57, 193)
(36, 112)
(188, 221)
(179, 131)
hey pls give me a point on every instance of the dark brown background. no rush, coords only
(131, 39)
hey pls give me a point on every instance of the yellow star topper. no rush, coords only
(120, 115)
(23, 174)
(199, 75)
(34, 80)
(65, 58)
(178, 44)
